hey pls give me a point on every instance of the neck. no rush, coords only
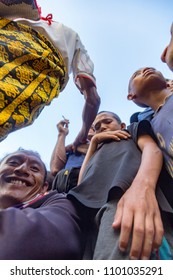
(157, 99)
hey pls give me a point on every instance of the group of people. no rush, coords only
(108, 195)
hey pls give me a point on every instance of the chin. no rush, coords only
(8, 201)
(169, 60)
(142, 105)
(171, 66)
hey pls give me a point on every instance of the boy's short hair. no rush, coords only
(113, 114)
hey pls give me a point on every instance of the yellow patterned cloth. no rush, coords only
(32, 73)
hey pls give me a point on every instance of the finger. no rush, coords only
(159, 232)
(118, 216)
(122, 136)
(138, 236)
(126, 228)
(148, 237)
(125, 133)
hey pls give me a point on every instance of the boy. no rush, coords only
(148, 87)
(111, 168)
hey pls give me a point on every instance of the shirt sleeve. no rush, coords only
(50, 231)
(82, 65)
(138, 129)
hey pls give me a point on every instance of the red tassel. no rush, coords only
(48, 18)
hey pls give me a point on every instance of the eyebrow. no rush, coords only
(135, 74)
(20, 158)
(105, 119)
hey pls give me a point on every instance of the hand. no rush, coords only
(138, 214)
(116, 135)
(62, 127)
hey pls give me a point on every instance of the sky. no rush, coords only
(120, 37)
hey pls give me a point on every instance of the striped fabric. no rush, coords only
(32, 73)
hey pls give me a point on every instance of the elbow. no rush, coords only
(54, 171)
(160, 154)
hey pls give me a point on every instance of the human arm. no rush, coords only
(83, 74)
(59, 158)
(50, 231)
(90, 109)
(96, 140)
(138, 212)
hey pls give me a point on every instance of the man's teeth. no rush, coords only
(18, 182)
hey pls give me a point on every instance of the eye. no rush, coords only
(136, 74)
(108, 121)
(13, 162)
(35, 168)
(97, 127)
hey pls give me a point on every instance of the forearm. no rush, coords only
(90, 109)
(138, 211)
(151, 163)
(26, 226)
(58, 158)
(92, 103)
(91, 150)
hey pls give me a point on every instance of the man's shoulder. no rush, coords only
(66, 29)
(50, 197)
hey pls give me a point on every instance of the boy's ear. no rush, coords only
(45, 187)
(130, 96)
(123, 125)
(167, 85)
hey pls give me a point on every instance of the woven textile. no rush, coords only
(31, 74)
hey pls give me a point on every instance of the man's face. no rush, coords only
(167, 55)
(142, 82)
(105, 122)
(22, 176)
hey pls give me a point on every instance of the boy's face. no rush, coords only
(105, 122)
(142, 82)
(167, 55)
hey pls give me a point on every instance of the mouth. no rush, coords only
(18, 182)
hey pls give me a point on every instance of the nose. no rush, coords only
(22, 170)
(103, 127)
(145, 69)
(163, 55)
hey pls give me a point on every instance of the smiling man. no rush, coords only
(34, 224)
(22, 177)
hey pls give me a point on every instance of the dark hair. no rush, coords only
(134, 117)
(113, 114)
(34, 153)
(49, 180)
